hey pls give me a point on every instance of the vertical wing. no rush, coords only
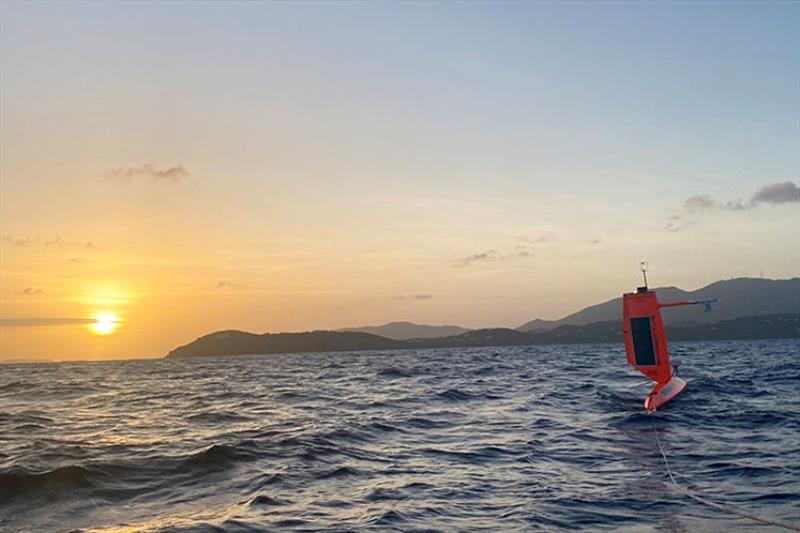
(645, 337)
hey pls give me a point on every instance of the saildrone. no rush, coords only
(646, 341)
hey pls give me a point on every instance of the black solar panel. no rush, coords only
(643, 348)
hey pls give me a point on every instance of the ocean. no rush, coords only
(540, 438)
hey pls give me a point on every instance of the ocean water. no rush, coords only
(550, 438)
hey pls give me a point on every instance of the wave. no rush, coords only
(387, 518)
(65, 479)
(263, 500)
(456, 395)
(342, 471)
(217, 417)
(16, 386)
(427, 423)
(394, 373)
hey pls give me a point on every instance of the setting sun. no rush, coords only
(104, 324)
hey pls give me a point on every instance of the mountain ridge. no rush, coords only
(763, 298)
(738, 297)
(232, 342)
(403, 330)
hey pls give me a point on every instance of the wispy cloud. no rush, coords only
(546, 237)
(149, 172)
(229, 285)
(522, 251)
(772, 194)
(698, 203)
(677, 223)
(413, 297)
(29, 291)
(35, 322)
(541, 238)
(519, 252)
(488, 255)
(55, 241)
(61, 242)
(19, 241)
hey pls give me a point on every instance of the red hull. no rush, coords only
(663, 393)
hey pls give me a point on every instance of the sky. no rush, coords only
(178, 168)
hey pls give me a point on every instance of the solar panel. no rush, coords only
(643, 348)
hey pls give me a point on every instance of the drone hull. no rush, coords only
(663, 393)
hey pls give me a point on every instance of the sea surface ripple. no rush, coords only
(550, 438)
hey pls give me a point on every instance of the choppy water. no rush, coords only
(490, 439)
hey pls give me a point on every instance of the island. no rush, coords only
(232, 342)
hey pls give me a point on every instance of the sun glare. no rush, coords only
(104, 324)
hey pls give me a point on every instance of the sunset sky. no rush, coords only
(180, 168)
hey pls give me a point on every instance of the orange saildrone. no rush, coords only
(646, 342)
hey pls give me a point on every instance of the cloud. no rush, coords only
(57, 240)
(547, 236)
(704, 202)
(19, 241)
(699, 203)
(488, 255)
(596, 240)
(36, 322)
(673, 228)
(413, 297)
(29, 291)
(229, 285)
(777, 193)
(522, 251)
(677, 223)
(519, 252)
(774, 193)
(149, 172)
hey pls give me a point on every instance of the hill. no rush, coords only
(478, 337)
(778, 326)
(401, 331)
(740, 297)
(242, 343)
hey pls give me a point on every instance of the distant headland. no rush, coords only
(748, 308)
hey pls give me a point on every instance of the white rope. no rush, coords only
(719, 506)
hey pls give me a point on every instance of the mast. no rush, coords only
(643, 268)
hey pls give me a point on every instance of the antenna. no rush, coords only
(643, 267)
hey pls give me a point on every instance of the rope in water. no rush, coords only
(719, 506)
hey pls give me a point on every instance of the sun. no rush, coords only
(104, 324)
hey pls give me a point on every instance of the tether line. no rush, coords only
(719, 506)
